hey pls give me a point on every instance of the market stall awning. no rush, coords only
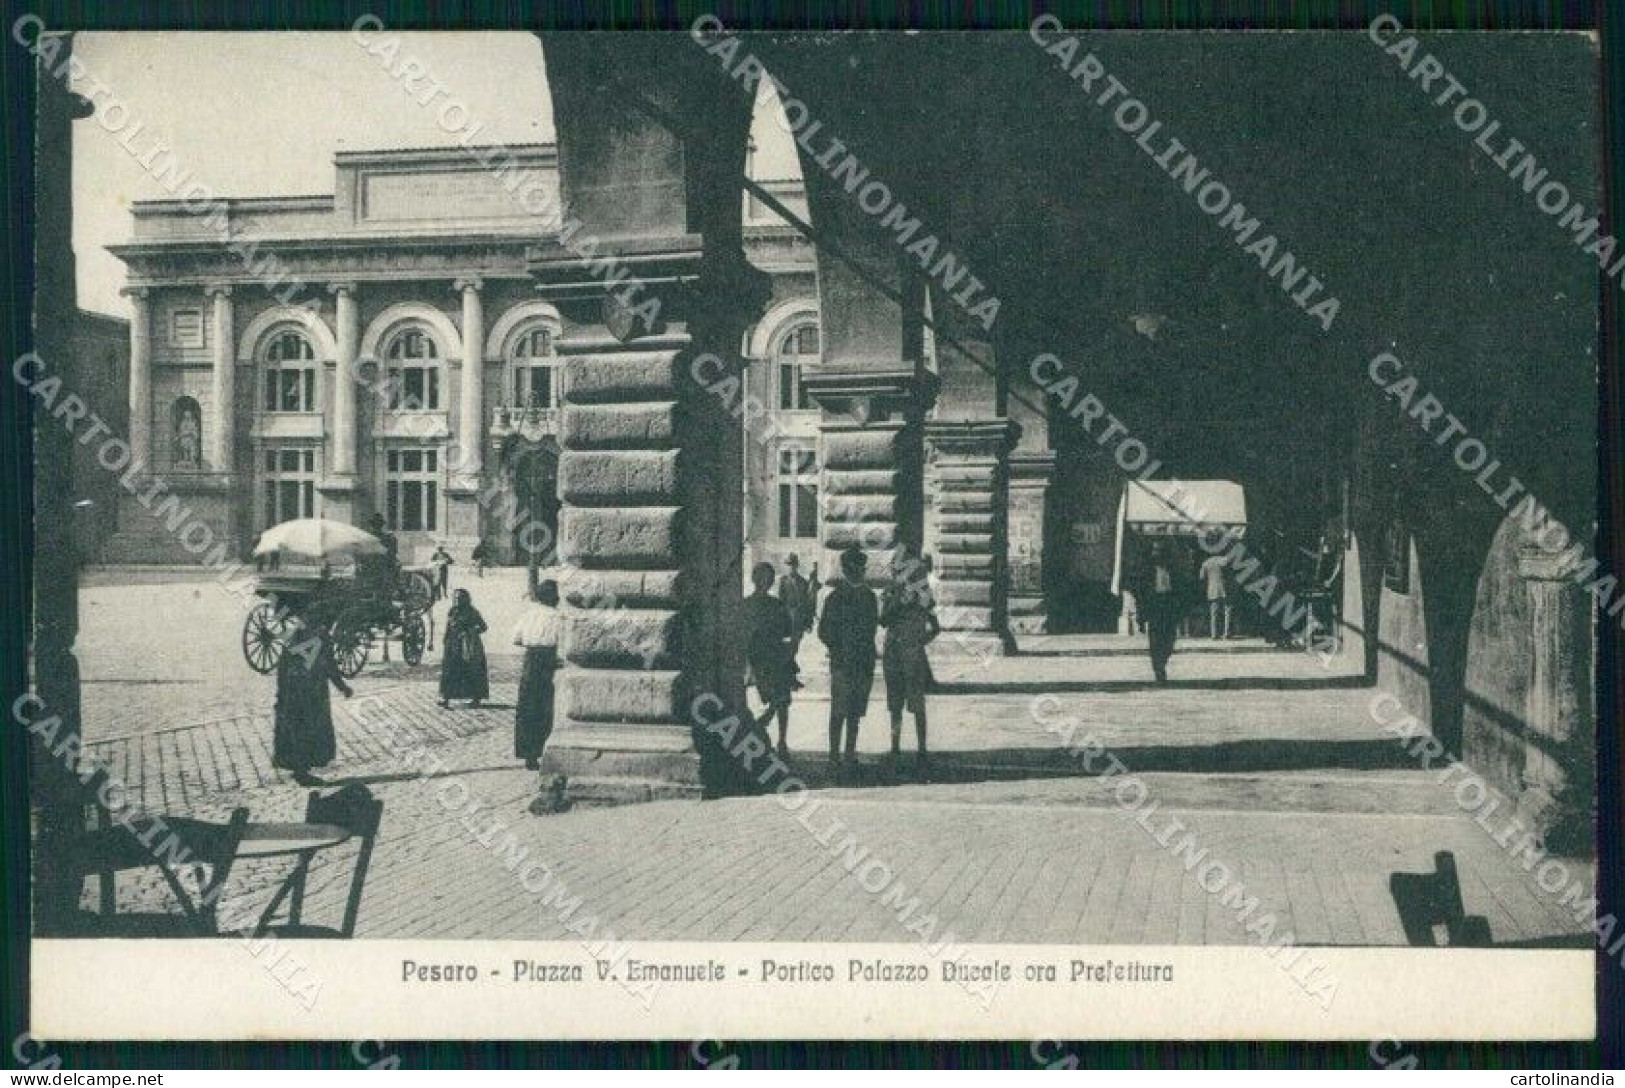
(1177, 508)
(1183, 507)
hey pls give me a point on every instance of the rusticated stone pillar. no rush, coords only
(650, 543)
(968, 485)
(872, 441)
(1032, 467)
(620, 526)
(655, 294)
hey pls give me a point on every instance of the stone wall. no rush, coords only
(1528, 723)
(101, 375)
(1402, 644)
(1499, 652)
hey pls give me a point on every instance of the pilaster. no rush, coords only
(1030, 476)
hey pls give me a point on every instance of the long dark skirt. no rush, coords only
(462, 668)
(533, 717)
(303, 734)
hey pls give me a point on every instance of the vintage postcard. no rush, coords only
(716, 535)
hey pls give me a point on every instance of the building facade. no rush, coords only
(413, 266)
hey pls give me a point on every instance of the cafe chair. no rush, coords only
(1431, 911)
(180, 848)
(357, 812)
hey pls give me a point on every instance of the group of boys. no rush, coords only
(850, 619)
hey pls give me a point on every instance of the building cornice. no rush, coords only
(349, 241)
(310, 202)
(474, 155)
(321, 283)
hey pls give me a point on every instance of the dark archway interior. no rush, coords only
(1102, 259)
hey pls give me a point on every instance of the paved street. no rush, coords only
(1293, 788)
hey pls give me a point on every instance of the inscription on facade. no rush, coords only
(475, 194)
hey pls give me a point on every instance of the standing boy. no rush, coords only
(847, 628)
(767, 627)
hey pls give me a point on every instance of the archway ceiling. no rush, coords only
(1320, 136)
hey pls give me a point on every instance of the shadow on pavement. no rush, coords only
(1007, 764)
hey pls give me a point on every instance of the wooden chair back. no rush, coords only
(357, 811)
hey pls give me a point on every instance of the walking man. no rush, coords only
(847, 628)
(1162, 605)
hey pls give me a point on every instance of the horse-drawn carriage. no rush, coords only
(370, 601)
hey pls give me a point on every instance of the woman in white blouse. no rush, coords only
(538, 632)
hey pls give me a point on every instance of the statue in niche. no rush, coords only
(188, 434)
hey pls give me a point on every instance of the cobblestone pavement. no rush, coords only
(1295, 791)
(1030, 860)
(165, 649)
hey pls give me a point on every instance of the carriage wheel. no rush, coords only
(352, 641)
(262, 638)
(412, 639)
(417, 593)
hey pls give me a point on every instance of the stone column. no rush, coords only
(1030, 476)
(968, 481)
(224, 441)
(1556, 797)
(873, 390)
(338, 478)
(140, 376)
(471, 413)
(344, 380)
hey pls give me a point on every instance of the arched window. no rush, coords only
(290, 372)
(797, 349)
(412, 359)
(531, 358)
